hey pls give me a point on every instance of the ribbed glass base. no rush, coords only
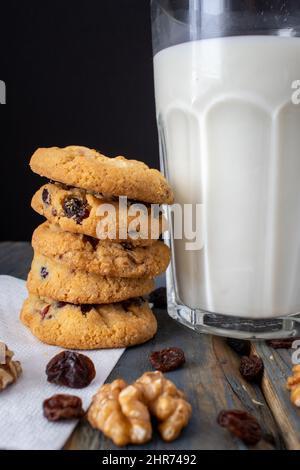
(235, 327)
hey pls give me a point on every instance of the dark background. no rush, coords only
(76, 72)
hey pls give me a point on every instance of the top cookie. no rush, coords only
(88, 169)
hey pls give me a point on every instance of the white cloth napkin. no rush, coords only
(22, 424)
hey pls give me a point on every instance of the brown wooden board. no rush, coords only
(278, 365)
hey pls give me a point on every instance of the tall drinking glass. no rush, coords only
(227, 87)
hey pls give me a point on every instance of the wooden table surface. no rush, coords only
(210, 379)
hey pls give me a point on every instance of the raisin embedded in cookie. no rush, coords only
(50, 279)
(89, 326)
(100, 257)
(86, 168)
(75, 210)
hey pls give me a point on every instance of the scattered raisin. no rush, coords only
(70, 369)
(167, 359)
(44, 311)
(240, 346)
(61, 407)
(159, 297)
(241, 424)
(85, 308)
(46, 196)
(75, 208)
(251, 368)
(44, 272)
(286, 343)
(54, 212)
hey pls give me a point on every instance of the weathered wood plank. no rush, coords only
(278, 366)
(250, 395)
(15, 258)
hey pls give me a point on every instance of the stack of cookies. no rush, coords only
(87, 282)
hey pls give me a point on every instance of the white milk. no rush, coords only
(233, 144)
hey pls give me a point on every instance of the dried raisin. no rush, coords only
(46, 198)
(44, 272)
(251, 368)
(167, 359)
(241, 424)
(44, 311)
(281, 343)
(61, 407)
(75, 208)
(70, 369)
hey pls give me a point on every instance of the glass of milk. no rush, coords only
(227, 89)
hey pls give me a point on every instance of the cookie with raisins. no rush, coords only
(101, 257)
(114, 325)
(78, 211)
(47, 278)
(88, 169)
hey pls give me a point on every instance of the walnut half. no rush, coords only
(9, 369)
(125, 420)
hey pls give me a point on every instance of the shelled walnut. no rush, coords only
(122, 412)
(166, 402)
(9, 369)
(130, 424)
(293, 384)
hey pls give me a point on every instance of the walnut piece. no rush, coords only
(125, 420)
(122, 412)
(9, 369)
(167, 403)
(293, 384)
